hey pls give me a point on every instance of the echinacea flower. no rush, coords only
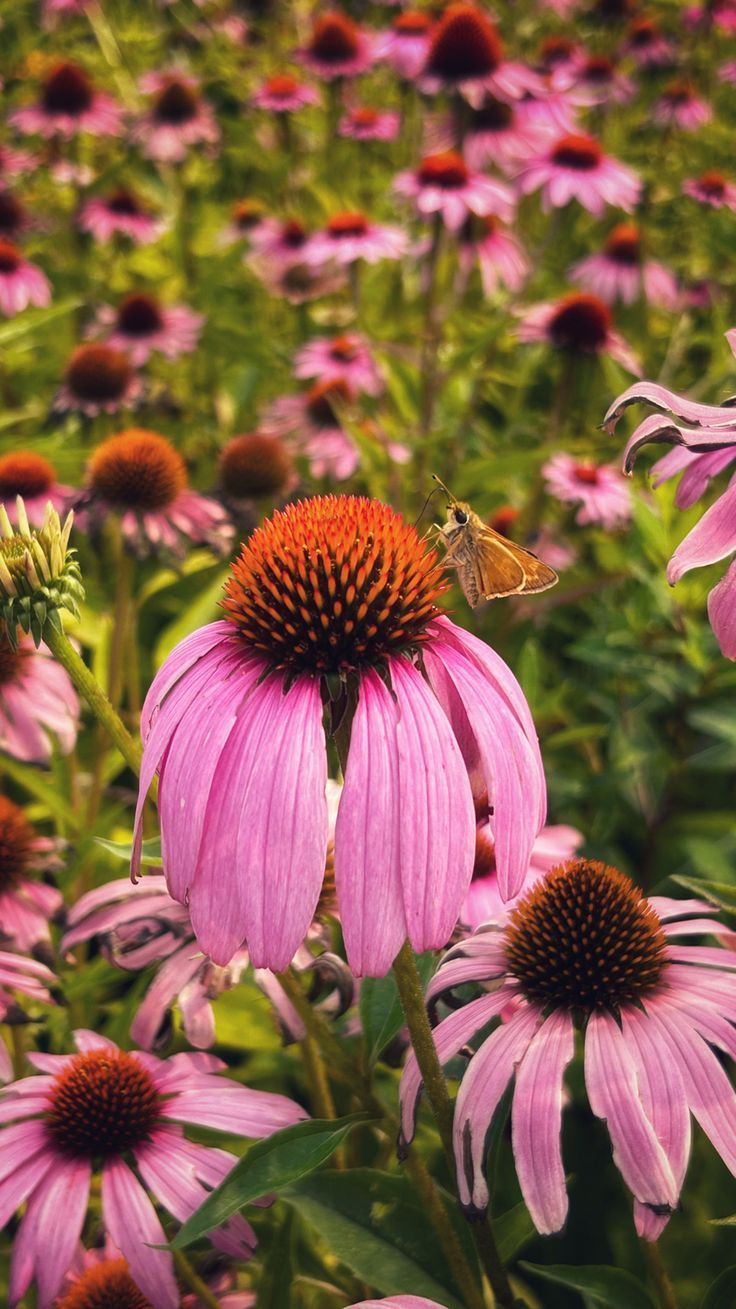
(404, 46)
(707, 446)
(559, 56)
(20, 975)
(101, 1279)
(599, 81)
(344, 358)
(337, 47)
(68, 104)
(681, 106)
(311, 420)
(584, 950)
(466, 54)
(335, 596)
(119, 213)
(620, 271)
(27, 474)
(140, 477)
(38, 704)
(496, 251)
(247, 216)
(277, 242)
(13, 162)
(646, 44)
(254, 465)
(97, 380)
(575, 168)
(178, 118)
(350, 236)
(21, 282)
(141, 325)
(498, 134)
(443, 184)
(711, 188)
(554, 845)
(580, 323)
(96, 1110)
(366, 124)
(284, 94)
(599, 489)
(27, 904)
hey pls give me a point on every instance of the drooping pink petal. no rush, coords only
(536, 1122)
(183, 657)
(658, 430)
(264, 841)
(722, 612)
(171, 977)
(711, 539)
(134, 1227)
(368, 822)
(481, 1090)
(668, 402)
(613, 1093)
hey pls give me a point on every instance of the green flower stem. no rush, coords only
(411, 994)
(192, 1279)
(659, 1275)
(88, 687)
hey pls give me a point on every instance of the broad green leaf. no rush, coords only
(512, 1230)
(609, 1288)
(381, 1014)
(722, 1293)
(32, 319)
(268, 1166)
(151, 849)
(37, 784)
(377, 1227)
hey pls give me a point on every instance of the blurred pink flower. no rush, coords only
(584, 949)
(598, 81)
(405, 45)
(97, 380)
(620, 271)
(68, 104)
(600, 490)
(38, 704)
(398, 1302)
(498, 254)
(345, 358)
(25, 473)
(13, 162)
(366, 124)
(575, 168)
(483, 903)
(119, 212)
(466, 54)
(21, 283)
(101, 1279)
(579, 322)
(103, 1104)
(337, 47)
(26, 902)
(711, 188)
(680, 106)
(237, 711)
(646, 45)
(311, 421)
(141, 325)
(284, 94)
(28, 977)
(443, 184)
(177, 119)
(351, 236)
(498, 134)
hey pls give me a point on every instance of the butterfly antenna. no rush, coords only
(426, 502)
(452, 498)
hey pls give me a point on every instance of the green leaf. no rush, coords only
(203, 609)
(719, 893)
(151, 849)
(512, 1230)
(35, 783)
(609, 1288)
(381, 1014)
(268, 1166)
(724, 1222)
(721, 1294)
(27, 323)
(377, 1227)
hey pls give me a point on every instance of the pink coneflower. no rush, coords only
(600, 490)
(177, 119)
(28, 977)
(405, 45)
(29, 475)
(620, 271)
(284, 94)
(483, 903)
(575, 168)
(398, 1302)
(26, 903)
(247, 217)
(599, 81)
(366, 124)
(337, 47)
(443, 184)
(101, 1279)
(97, 1109)
(13, 162)
(312, 423)
(497, 253)
(727, 71)
(141, 325)
(681, 106)
(296, 281)
(139, 476)
(344, 358)
(560, 55)
(119, 213)
(351, 236)
(21, 283)
(646, 45)
(585, 951)
(69, 104)
(708, 446)
(98, 380)
(466, 54)
(552, 110)
(253, 465)
(38, 704)
(497, 134)
(711, 188)
(580, 323)
(280, 242)
(331, 592)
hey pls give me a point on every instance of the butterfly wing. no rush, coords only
(501, 567)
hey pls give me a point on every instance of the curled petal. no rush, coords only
(659, 430)
(669, 402)
(711, 539)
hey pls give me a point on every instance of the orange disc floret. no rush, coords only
(25, 473)
(107, 1285)
(324, 399)
(465, 44)
(281, 85)
(137, 469)
(623, 243)
(447, 169)
(580, 322)
(577, 151)
(10, 257)
(334, 39)
(334, 583)
(66, 90)
(254, 464)
(17, 839)
(412, 22)
(102, 1103)
(586, 473)
(347, 224)
(713, 183)
(98, 373)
